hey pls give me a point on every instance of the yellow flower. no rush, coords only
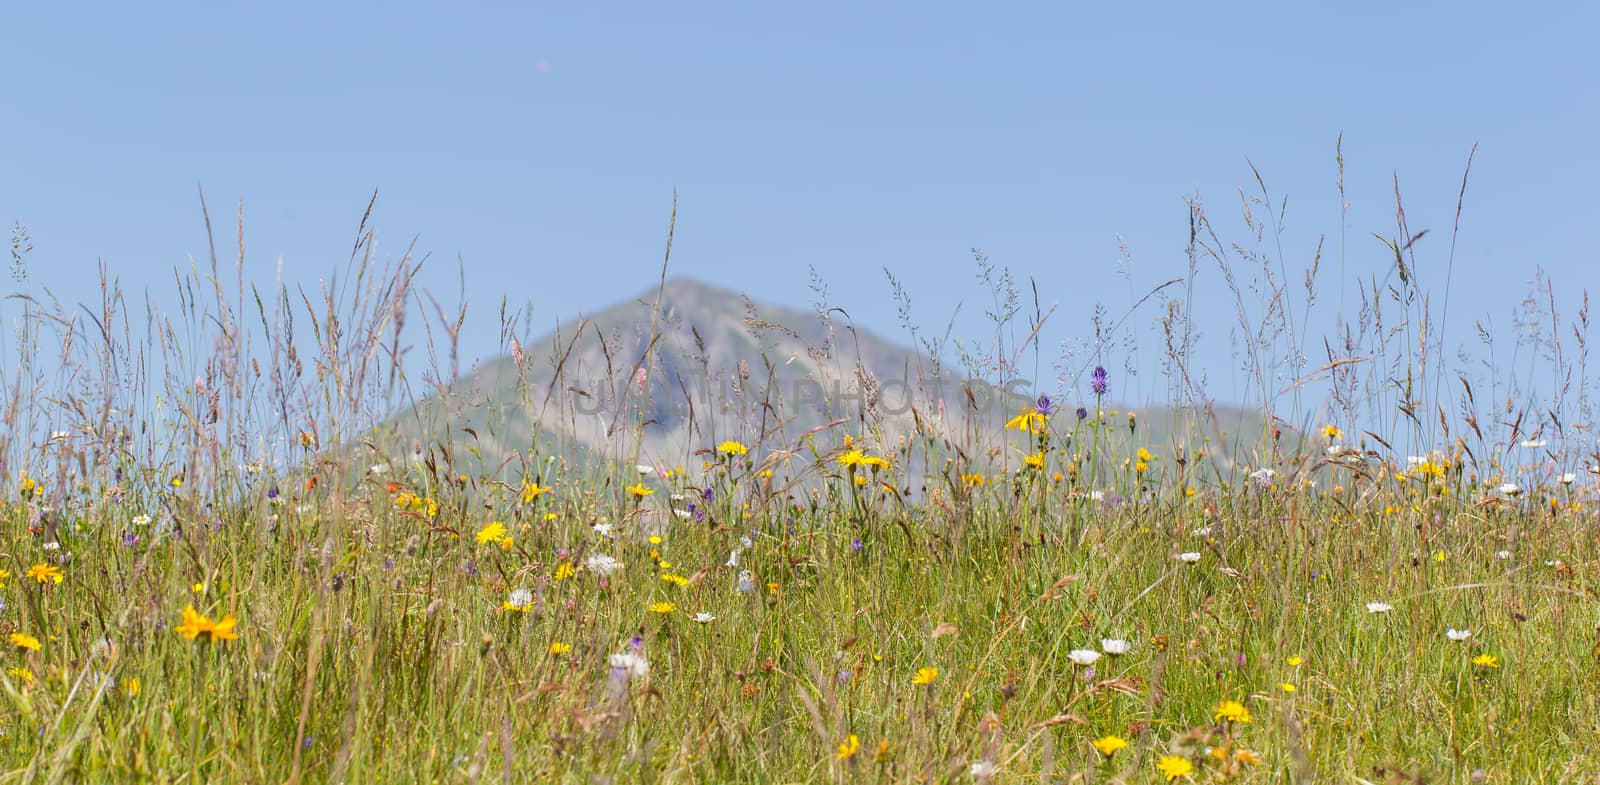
(195, 625)
(1287, 687)
(45, 573)
(1294, 660)
(1035, 460)
(876, 462)
(560, 648)
(23, 640)
(131, 686)
(640, 490)
(925, 676)
(849, 747)
(494, 532)
(974, 480)
(1174, 767)
(1141, 467)
(1145, 456)
(663, 607)
(1482, 660)
(564, 571)
(532, 491)
(1108, 745)
(674, 579)
(21, 674)
(732, 448)
(1331, 433)
(1231, 711)
(1029, 420)
(852, 459)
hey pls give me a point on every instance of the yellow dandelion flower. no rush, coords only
(1287, 687)
(640, 490)
(45, 573)
(560, 648)
(21, 674)
(675, 579)
(925, 676)
(1034, 461)
(1482, 660)
(849, 747)
(1331, 433)
(1108, 745)
(1030, 420)
(1174, 767)
(1231, 711)
(23, 640)
(663, 607)
(564, 571)
(493, 533)
(852, 459)
(732, 448)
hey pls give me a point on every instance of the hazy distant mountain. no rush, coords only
(726, 368)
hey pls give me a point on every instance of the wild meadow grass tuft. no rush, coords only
(231, 557)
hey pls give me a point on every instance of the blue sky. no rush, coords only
(540, 143)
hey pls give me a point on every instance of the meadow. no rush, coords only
(228, 561)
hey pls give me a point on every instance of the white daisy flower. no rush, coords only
(1083, 656)
(1379, 607)
(1534, 444)
(1457, 635)
(603, 529)
(1114, 646)
(1510, 489)
(1189, 557)
(704, 618)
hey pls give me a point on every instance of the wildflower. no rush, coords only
(732, 448)
(640, 490)
(983, 768)
(45, 573)
(1486, 661)
(644, 469)
(1108, 745)
(1510, 489)
(675, 579)
(1034, 461)
(1030, 420)
(925, 676)
(1189, 557)
(532, 491)
(1457, 635)
(1098, 383)
(1287, 687)
(747, 582)
(852, 459)
(1502, 555)
(1114, 646)
(1332, 433)
(21, 674)
(564, 571)
(1083, 656)
(849, 747)
(602, 529)
(1174, 767)
(23, 640)
(141, 520)
(662, 607)
(1294, 661)
(1569, 478)
(519, 601)
(1533, 444)
(704, 618)
(1263, 476)
(195, 625)
(602, 564)
(1231, 711)
(557, 647)
(494, 532)
(1379, 607)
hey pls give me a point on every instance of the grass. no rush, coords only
(783, 610)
